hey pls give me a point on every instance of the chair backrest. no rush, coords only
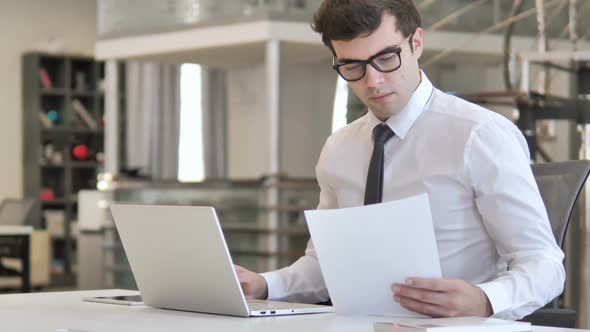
(14, 212)
(560, 184)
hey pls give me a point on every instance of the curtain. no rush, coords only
(153, 119)
(215, 122)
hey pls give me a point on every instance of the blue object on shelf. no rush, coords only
(53, 116)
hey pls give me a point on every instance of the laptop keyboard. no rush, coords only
(258, 305)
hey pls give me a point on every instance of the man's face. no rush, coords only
(386, 94)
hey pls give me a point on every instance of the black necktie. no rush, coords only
(374, 189)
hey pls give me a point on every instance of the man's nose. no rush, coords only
(373, 77)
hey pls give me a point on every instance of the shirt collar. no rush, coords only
(403, 121)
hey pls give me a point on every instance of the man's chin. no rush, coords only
(383, 114)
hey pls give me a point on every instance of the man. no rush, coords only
(497, 252)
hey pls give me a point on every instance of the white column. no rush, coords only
(273, 63)
(111, 116)
(524, 77)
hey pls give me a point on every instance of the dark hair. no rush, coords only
(348, 19)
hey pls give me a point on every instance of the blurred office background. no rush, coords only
(227, 103)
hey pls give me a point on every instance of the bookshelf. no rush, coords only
(63, 143)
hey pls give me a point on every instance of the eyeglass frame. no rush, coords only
(397, 50)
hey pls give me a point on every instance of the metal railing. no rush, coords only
(118, 18)
(121, 18)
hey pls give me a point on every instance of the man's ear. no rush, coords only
(418, 42)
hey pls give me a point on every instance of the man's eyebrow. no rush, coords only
(385, 50)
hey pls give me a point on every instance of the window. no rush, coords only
(191, 165)
(340, 102)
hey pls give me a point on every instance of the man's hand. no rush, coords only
(442, 297)
(253, 285)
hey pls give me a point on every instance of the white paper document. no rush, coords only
(364, 250)
(456, 324)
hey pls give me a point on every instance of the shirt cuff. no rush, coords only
(496, 295)
(275, 284)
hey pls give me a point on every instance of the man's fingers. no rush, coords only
(240, 270)
(422, 295)
(429, 309)
(439, 285)
(442, 297)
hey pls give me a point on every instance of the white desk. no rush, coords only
(57, 311)
(16, 230)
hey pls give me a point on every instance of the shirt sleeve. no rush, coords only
(508, 199)
(302, 281)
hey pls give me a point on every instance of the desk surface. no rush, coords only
(15, 230)
(66, 312)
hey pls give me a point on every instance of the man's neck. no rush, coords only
(414, 91)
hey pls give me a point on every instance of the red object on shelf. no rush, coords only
(80, 152)
(47, 194)
(45, 79)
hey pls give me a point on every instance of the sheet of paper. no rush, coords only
(471, 324)
(363, 250)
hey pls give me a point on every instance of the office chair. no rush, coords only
(560, 184)
(14, 212)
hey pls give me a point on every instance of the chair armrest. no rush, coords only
(552, 317)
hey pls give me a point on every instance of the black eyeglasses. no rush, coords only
(386, 61)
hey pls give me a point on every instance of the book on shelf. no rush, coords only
(45, 121)
(83, 113)
(80, 81)
(45, 78)
(457, 324)
(76, 121)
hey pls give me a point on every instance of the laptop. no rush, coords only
(180, 261)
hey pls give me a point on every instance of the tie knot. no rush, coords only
(382, 133)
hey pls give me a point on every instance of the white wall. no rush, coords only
(306, 105)
(26, 23)
(248, 146)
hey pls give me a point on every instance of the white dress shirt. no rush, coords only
(490, 223)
